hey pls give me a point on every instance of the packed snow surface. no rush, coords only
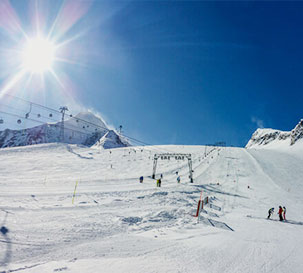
(113, 223)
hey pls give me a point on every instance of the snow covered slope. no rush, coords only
(116, 224)
(270, 138)
(85, 129)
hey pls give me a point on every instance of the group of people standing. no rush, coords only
(281, 212)
(160, 179)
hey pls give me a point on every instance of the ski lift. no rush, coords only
(1, 121)
(19, 121)
(39, 116)
(50, 115)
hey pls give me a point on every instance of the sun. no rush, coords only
(38, 55)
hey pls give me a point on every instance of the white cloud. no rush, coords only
(258, 122)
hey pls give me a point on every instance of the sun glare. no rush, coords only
(38, 55)
(40, 47)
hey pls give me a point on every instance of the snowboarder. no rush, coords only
(280, 213)
(284, 211)
(178, 179)
(141, 179)
(270, 212)
(159, 182)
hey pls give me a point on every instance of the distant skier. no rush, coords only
(270, 212)
(280, 213)
(141, 179)
(161, 175)
(159, 182)
(178, 179)
(284, 211)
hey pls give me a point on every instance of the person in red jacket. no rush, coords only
(280, 213)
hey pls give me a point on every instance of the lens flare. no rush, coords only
(34, 53)
(38, 55)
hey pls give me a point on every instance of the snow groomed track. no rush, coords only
(117, 224)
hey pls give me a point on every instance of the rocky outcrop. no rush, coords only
(266, 137)
(297, 133)
(111, 140)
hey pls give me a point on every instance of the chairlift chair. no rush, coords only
(30, 109)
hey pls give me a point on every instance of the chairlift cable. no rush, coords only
(88, 122)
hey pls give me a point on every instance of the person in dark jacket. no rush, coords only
(178, 179)
(159, 182)
(280, 213)
(270, 212)
(141, 179)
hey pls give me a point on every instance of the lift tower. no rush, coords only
(62, 110)
(168, 156)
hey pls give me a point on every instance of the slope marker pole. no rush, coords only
(74, 192)
(199, 204)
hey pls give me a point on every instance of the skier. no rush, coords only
(284, 211)
(280, 213)
(159, 182)
(161, 175)
(178, 179)
(141, 179)
(270, 212)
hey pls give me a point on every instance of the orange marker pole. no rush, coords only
(198, 208)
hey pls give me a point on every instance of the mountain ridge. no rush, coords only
(266, 137)
(84, 128)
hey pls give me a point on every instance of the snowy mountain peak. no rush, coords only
(111, 140)
(89, 117)
(271, 138)
(297, 132)
(84, 128)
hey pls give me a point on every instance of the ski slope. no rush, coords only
(117, 224)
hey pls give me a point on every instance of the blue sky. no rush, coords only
(175, 72)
